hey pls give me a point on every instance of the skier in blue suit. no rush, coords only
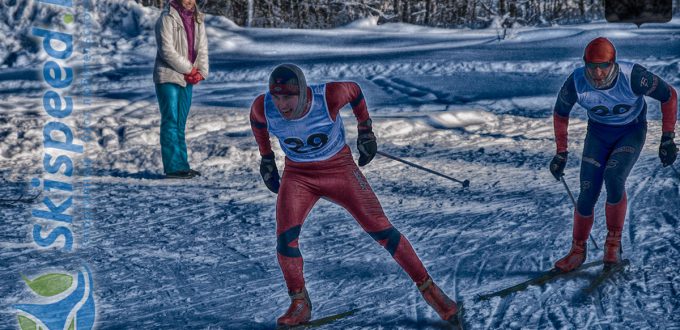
(613, 94)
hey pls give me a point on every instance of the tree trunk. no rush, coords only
(428, 5)
(463, 12)
(473, 14)
(249, 19)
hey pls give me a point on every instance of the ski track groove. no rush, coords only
(480, 269)
(455, 293)
(596, 299)
(642, 187)
(638, 205)
(502, 308)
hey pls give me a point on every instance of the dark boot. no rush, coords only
(181, 175)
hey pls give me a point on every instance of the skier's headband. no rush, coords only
(284, 80)
(289, 87)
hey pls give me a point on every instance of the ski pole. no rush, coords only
(573, 201)
(465, 183)
(675, 170)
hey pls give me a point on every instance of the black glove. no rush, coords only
(270, 174)
(558, 163)
(668, 151)
(366, 143)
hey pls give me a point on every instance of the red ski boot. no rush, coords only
(299, 312)
(612, 248)
(438, 300)
(616, 215)
(575, 258)
(579, 248)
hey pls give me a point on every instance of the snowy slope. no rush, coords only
(200, 254)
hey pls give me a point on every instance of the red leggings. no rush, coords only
(339, 180)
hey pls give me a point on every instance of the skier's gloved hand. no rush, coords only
(269, 172)
(668, 151)
(558, 163)
(366, 143)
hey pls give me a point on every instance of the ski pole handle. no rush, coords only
(573, 201)
(465, 183)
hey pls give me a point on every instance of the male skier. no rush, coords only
(306, 121)
(612, 92)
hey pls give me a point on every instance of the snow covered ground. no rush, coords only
(200, 254)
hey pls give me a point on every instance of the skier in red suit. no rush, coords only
(306, 121)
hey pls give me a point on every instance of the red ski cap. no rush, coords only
(599, 50)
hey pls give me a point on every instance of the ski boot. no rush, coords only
(579, 247)
(299, 312)
(612, 249)
(575, 258)
(438, 300)
(616, 215)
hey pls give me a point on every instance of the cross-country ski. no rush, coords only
(539, 280)
(605, 274)
(321, 321)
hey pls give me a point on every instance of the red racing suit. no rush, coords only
(337, 179)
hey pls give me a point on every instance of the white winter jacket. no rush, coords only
(172, 56)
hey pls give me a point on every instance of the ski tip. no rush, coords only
(322, 321)
(488, 296)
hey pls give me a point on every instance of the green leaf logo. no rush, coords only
(27, 324)
(49, 284)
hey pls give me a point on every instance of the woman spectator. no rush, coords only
(181, 62)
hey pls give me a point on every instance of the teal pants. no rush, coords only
(174, 102)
